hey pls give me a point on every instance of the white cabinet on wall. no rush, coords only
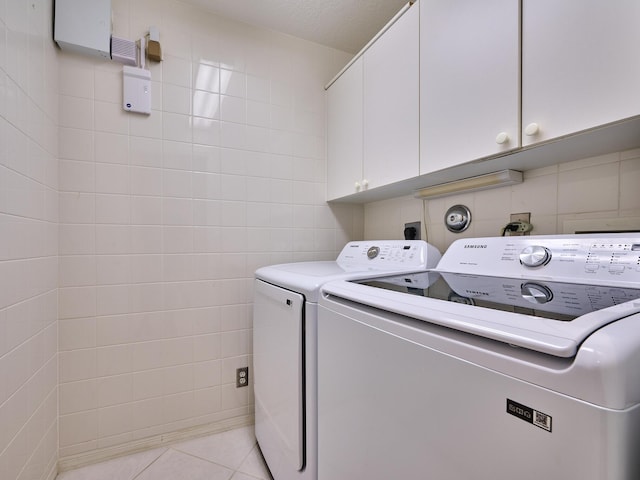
(515, 84)
(344, 132)
(373, 113)
(469, 80)
(391, 103)
(580, 65)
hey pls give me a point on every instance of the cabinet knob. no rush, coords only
(365, 183)
(502, 138)
(531, 129)
(357, 186)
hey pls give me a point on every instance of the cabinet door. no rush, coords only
(391, 103)
(344, 132)
(580, 65)
(469, 80)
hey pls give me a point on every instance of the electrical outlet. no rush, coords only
(242, 377)
(524, 221)
(520, 217)
(524, 227)
(412, 231)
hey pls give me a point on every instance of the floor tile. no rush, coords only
(231, 455)
(124, 468)
(254, 465)
(174, 465)
(242, 476)
(227, 448)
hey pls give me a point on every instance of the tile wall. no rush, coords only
(598, 193)
(164, 218)
(28, 241)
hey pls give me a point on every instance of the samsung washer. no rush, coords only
(284, 344)
(517, 357)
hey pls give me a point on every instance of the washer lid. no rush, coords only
(548, 317)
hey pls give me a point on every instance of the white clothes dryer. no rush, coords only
(284, 344)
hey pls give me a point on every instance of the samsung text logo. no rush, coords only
(476, 293)
(470, 245)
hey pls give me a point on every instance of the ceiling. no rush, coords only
(343, 24)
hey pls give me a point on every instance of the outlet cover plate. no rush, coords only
(415, 225)
(242, 377)
(520, 217)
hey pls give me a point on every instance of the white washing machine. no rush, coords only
(516, 358)
(284, 344)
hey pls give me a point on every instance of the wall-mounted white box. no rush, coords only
(83, 26)
(136, 89)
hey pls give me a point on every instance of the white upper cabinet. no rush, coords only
(344, 132)
(469, 80)
(391, 105)
(457, 88)
(373, 113)
(580, 65)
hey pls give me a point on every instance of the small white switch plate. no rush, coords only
(136, 90)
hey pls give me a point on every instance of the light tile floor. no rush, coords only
(231, 455)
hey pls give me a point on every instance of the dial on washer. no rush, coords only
(535, 256)
(536, 293)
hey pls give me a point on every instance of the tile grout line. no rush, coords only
(150, 463)
(203, 459)
(254, 447)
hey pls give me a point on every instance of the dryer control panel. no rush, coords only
(606, 259)
(388, 255)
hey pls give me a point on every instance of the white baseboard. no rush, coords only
(103, 454)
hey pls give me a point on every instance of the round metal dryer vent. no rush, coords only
(457, 219)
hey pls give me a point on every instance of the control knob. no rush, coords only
(373, 252)
(536, 293)
(535, 256)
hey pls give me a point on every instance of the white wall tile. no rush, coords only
(76, 112)
(176, 99)
(111, 178)
(107, 84)
(76, 144)
(114, 420)
(177, 127)
(177, 183)
(77, 207)
(233, 109)
(629, 181)
(576, 189)
(145, 152)
(114, 209)
(148, 126)
(78, 428)
(78, 396)
(176, 71)
(113, 360)
(146, 210)
(156, 212)
(206, 104)
(206, 77)
(77, 271)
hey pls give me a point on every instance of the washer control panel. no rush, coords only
(388, 255)
(579, 258)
